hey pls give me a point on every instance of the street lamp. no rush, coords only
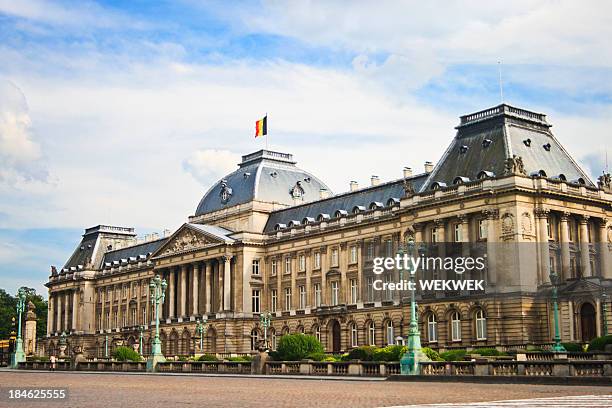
(201, 330)
(141, 338)
(409, 363)
(19, 356)
(106, 346)
(158, 295)
(264, 320)
(554, 280)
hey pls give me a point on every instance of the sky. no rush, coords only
(124, 113)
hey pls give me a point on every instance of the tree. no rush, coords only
(8, 306)
(8, 310)
(42, 307)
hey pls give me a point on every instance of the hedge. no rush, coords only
(126, 354)
(600, 343)
(294, 347)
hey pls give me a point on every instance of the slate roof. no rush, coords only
(91, 248)
(381, 193)
(485, 139)
(145, 249)
(265, 176)
(221, 233)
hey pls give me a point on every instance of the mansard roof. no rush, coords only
(264, 176)
(346, 202)
(91, 248)
(135, 251)
(485, 140)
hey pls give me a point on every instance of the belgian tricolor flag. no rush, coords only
(261, 127)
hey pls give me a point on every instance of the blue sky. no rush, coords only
(125, 112)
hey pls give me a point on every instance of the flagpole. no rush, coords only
(267, 132)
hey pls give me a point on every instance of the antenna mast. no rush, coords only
(501, 86)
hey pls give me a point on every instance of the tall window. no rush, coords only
(481, 325)
(144, 316)
(434, 235)
(133, 322)
(302, 263)
(570, 231)
(287, 298)
(458, 232)
(354, 254)
(302, 297)
(353, 283)
(334, 257)
(317, 260)
(255, 301)
(335, 293)
(273, 339)
(317, 332)
(432, 328)
(254, 339)
(317, 294)
(273, 300)
(370, 251)
(134, 289)
(370, 288)
(372, 334)
(549, 228)
(287, 265)
(274, 267)
(455, 326)
(390, 334)
(255, 267)
(482, 229)
(353, 335)
(389, 247)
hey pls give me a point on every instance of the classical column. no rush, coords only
(441, 242)
(565, 246)
(542, 219)
(50, 315)
(147, 305)
(598, 317)
(171, 288)
(75, 309)
(58, 304)
(195, 290)
(323, 277)
(279, 286)
(604, 251)
(570, 313)
(294, 295)
(183, 294)
(227, 283)
(491, 216)
(208, 279)
(465, 235)
(67, 309)
(585, 258)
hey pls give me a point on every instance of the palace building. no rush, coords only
(271, 237)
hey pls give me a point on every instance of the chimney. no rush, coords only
(375, 180)
(428, 167)
(407, 172)
(354, 186)
(323, 193)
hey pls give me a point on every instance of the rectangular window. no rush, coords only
(287, 265)
(370, 251)
(255, 301)
(570, 231)
(549, 228)
(317, 260)
(353, 283)
(255, 267)
(317, 293)
(334, 257)
(370, 288)
(287, 298)
(482, 229)
(353, 254)
(389, 247)
(134, 289)
(302, 297)
(455, 328)
(274, 267)
(388, 294)
(273, 300)
(434, 235)
(458, 232)
(335, 293)
(144, 316)
(302, 263)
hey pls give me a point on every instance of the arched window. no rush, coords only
(285, 331)
(254, 339)
(353, 335)
(372, 334)
(432, 328)
(300, 330)
(455, 326)
(481, 325)
(390, 334)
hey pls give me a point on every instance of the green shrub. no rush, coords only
(344, 357)
(293, 347)
(240, 359)
(316, 356)
(207, 357)
(126, 354)
(486, 352)
(432, 354)
(363, 353)
(574, 347)
(453, 355)
(600, 343)
(534, 349)
(382, 354)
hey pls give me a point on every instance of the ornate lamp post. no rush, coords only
(201, 331)
(158, 295)
(264, 320)
(554, 280)
(19, 356)
(604, 306)
(409, 363)
(141, 339)
(106, 346)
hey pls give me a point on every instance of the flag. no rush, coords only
(261, 127)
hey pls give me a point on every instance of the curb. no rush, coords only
(509, 379)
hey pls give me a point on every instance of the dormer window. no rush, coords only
(463, 149)
(297, 191)
(485, 175)
(323, 217)
(438, 185)
(226, 192)
(538, 173)
(340, 213)
(527, 142)
(274, 174)
(460, 180)
(376, 205)
(247, 175)
(486, 143)
(358, 208)
(547, 147)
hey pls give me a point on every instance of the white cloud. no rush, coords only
(208, 165)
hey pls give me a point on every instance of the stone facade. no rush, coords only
(308, 259)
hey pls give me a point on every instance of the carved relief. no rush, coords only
(185, 241)
(226, 192)
(514, 165)
(507, 224)
(526, 223)
(604, 182)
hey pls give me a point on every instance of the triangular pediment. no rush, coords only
(581, 286)
(190, 237)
